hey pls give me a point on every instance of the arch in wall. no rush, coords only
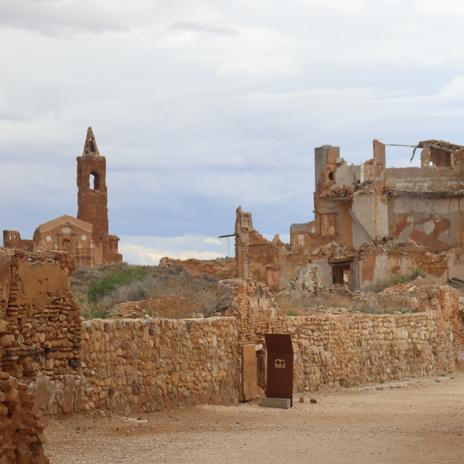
(94, 180)
(66, 245)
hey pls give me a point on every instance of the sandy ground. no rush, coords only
(420, 421)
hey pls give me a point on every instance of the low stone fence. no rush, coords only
(357, 349)
(150, 365)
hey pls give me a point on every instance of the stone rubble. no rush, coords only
(21, 433)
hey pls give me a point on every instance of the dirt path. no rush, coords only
(413, 422)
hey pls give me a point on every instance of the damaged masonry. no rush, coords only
(370, 222)
(199, 332)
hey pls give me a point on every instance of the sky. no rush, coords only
(202, 106)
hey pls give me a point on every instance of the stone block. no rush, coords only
(281, 403)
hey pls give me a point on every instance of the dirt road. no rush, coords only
(421, 421)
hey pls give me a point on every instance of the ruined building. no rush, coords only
(371, 222)
(86, 237)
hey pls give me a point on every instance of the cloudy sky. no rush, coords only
(204, 105)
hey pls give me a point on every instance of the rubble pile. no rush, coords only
(221, 268)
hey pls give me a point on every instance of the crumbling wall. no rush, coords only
(20, 430)
(435, 222)
(129, 365)
(368, 204)
(40, 328)
(380, 266)
(253, 307)
(151, 365)
(271, 262)
(12, 239)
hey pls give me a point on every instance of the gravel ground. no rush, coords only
(419, 421)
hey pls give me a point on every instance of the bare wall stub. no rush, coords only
(40, 328)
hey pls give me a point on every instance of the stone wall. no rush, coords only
(354, 349)
(150, 365)
(20, 430)
(40, 327)
(129, 365)
(358, 349)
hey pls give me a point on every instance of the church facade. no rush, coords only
(85, 237)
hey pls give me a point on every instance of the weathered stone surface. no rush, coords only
(150, 365)
(40, 329)
(354, 349)
(127, 365)
(416, 211)
(21, 435)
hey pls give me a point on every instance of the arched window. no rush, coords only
(331, 175)
(94, 180)
(66, 245)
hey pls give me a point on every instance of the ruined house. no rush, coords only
(370, 222)
(86, 238)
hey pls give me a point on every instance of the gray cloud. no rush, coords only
(57, 17)
(212, 29)
(202, 106)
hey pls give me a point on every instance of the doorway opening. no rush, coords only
(342, 274)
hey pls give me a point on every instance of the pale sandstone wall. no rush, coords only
(150, 365)
(354, 349)
(20, 430)
(358, 349)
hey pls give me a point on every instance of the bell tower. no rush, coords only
(92, 197)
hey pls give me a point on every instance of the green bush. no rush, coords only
(111, 282)
(95, 314)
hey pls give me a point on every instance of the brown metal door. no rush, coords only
(279, 366)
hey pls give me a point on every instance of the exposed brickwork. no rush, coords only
(92, 199)
(40, 328)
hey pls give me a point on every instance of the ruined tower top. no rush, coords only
(91, 188)
(90, 146)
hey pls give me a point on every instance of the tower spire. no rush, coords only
(90, 146)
